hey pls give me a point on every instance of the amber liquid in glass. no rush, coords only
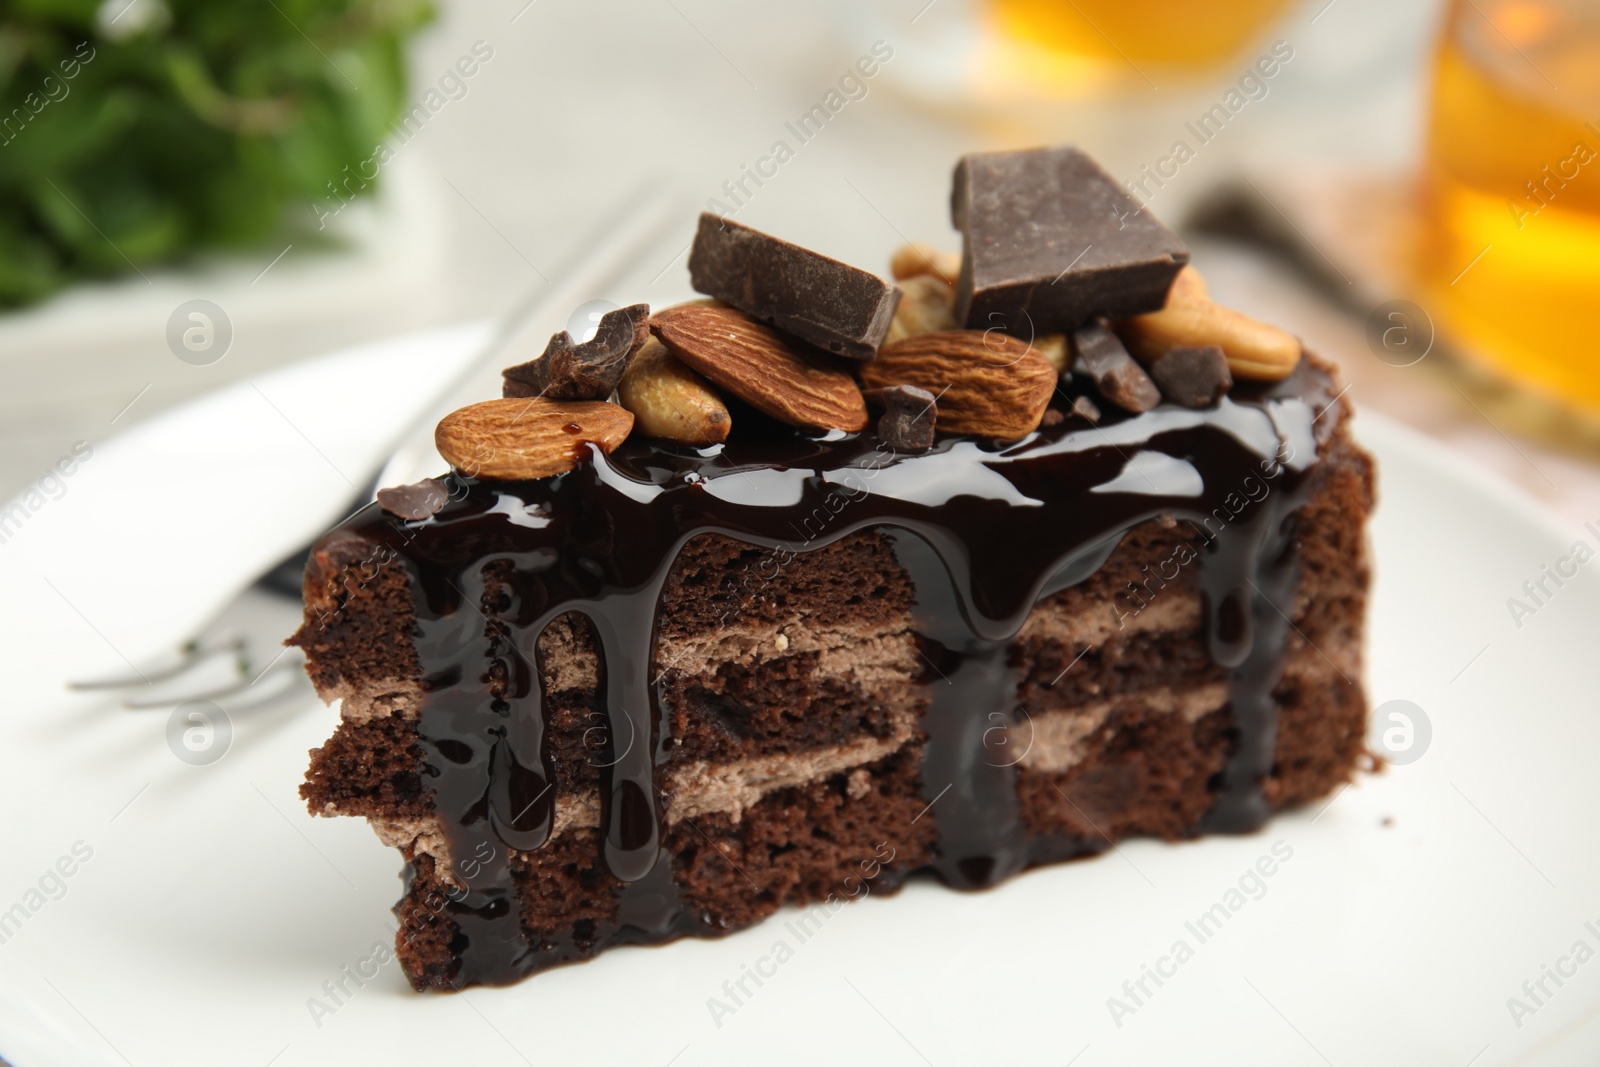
(1171, 33)
(1510, 257)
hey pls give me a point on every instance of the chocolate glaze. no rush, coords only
(983, 529)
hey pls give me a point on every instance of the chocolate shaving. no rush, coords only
(590, 370)
(1195, 377)
(418, 501)
(1086, 409)
(909, 414)
(1099, 354)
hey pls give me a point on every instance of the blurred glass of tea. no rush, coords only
(1510, 254)
(1172, 34)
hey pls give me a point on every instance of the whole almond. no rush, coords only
(1191, 319)
(761, 367)
(518, 439)
(671, 402)
(987, 383)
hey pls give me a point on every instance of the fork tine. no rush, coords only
(241, 684)
(298, 687)
(146, 703)
(192, 655)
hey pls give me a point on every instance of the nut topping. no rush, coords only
(671, 402)
(1191, 319)
(761, 367)
(927, 305)
(516, 439)
(986, 383)
(918, 260)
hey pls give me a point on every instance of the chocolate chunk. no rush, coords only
(1051, 241)
(908, 418)
(1099, 354)
(343, 548)
(1195, 377)
(837, 307)
(417, 501)
(588, 371)
(1086, 409)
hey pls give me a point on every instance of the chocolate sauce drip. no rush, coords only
(967, 778)
(983, 531)
(1247, 591)
(461, 728)
(521, 772)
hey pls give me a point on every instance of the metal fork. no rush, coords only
(219, 663)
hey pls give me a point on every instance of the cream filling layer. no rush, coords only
(693, 790)
(871, 661)
(1051, 742)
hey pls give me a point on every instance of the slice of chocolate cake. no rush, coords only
(783, 628)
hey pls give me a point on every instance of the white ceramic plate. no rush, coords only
(207, 917)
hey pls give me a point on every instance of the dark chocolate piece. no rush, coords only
(908, 419)
(1086, 409)
(588, 371)
(1051, 241)
(1195, 377)
(1100, 354)
(418, 501)
(837, 307)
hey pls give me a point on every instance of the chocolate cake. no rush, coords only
(785, 626)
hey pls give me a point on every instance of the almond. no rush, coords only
(519, 439)
(671, 402)
(1192, 319)
(986, 383)
(759, 366)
